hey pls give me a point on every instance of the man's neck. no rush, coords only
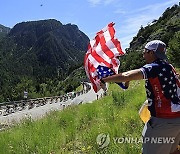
(153, 60)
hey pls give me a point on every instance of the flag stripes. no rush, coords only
(103, 50)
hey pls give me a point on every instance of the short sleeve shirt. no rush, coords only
(162, 87)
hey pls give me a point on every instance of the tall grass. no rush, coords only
(75, 129)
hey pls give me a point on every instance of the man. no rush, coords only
(162, 88)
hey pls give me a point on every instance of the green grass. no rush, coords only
(75, 129)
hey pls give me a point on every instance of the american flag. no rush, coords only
(104, 71)
(103, 50)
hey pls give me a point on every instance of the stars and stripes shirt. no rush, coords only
(162, 89)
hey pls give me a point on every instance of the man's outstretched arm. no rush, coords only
(125, 76)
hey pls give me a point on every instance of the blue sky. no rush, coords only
(90, 15)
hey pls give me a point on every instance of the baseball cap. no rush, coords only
(158, 47)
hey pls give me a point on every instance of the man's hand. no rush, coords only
(127, 84)
(103, 85)
(102, 81)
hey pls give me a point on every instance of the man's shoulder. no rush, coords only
(151, 65)
(158, 63)
(155, 67)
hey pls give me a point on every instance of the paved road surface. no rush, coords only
(38, 112)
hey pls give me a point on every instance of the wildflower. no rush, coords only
(83, 149)
(89, 147)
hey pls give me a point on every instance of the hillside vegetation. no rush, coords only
(36, 56)
(166, 28)
(75, 129)
(3, 31)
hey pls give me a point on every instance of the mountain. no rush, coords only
(40, 48)
(40, 51)
(3, 31)
(166, 28)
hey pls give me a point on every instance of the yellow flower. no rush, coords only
(83, 149)
(89, 147)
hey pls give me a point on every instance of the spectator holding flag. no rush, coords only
(162, 88)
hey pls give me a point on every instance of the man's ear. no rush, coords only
(151, 52)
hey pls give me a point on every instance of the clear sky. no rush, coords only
(90, 15)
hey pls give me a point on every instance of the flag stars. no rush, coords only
(170, 82)
(96, 45)
(160, 74)
(164, 69)
(172, 96)
(165, 79)
(163, 85)
(170, 91)
(174, 85)
(175, 90)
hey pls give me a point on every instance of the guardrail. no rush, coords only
(7, 108)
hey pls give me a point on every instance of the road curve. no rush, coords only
(39, 112)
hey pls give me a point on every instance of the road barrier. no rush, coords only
(9, 107)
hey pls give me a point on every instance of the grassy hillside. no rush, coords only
(75, 129)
